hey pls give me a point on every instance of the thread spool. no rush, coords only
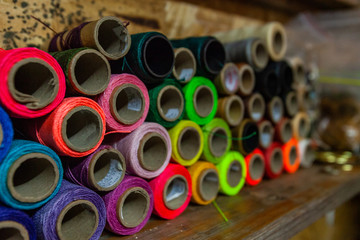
(6, 134)
(298, 69)
(208, 51)
(268, 83)
(274, 162)
(246, 79)
(74, 213)
(87, 71)
(227, 82)
(129, 206)
(31, 174)
(147, 150)
(108, 35)
(291, 104)
(301, 125)
(306, 153)
(255, 165)
(291, 156)
(255, 107)
(75, 128)
(172, 191)
(101, 171)
(275, 110)
(187, 142)
(266, 133)
(305, 100)
(166, 104)
(16, 225)
(247, 136)
(251, 51)
(231, 109)
(201, 100)
(32, 83)
(232, 172)
(205, 182)
(283, 130)
(184, 65)
(285, 75)
(217, 140)
(273, 34)
(125, 103)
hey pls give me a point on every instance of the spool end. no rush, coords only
(234, 110)
(218, 141)
(256, 167)
(203, 101)
(10, 230)
(259, 54)
(234, 173)
(209, 184)
(256, 107)
(189, 143)
(170, 103)
(276, 161)
(246, 80)
(184, 65)
(214, 56)
(175, 192)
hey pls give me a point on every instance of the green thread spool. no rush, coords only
(86, 70)
(208, 51)
(166, 104)
(201, 100)
(184, 65)
(217, 140)
(151, 57)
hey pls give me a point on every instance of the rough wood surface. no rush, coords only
(276, 209)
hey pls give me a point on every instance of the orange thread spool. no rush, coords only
(291, 155)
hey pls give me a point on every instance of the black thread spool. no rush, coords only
(268, 83)
(285, 74)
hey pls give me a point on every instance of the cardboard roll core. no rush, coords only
(229, 78)
(208, 184)
(256, 167)
(203, 101)
(1, 135)
(286, 131)
(266, 132)
(33, 177)
(111, 37)
(78, 220)
(276, 161)
(256, 107)
(234, 173)
(127, 103)
(234, 110)
(152, 152)
(184, 65)
(90, 72)
(300, 73)
(214, 56)
(10, 230)
(133, 206)
(218, 141)
(309, 155)
(158, 56)
(107, 169)
(293, 155)
(82, 128)
(278, 42)
(175, 192)
(259, 54)
(276, 109)
(291, 104)
(246, 80)
(188, 143)
(33, 82)
(170, 103)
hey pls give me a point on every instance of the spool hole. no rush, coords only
(257, 108)
(171, 103)
(266, 135)
(261, 55)
(78, 220)
(293, 155)
(236, 111)
(256, 167)
(286, 131)
(189, 143)
(10, 230)
(214, 56)
(203, 101)
(278, 42)
(300, 72)
(277, 110)
(272, 84)
(292, 103)
(276, 161)
(1, 135)
(209, 185)
(153, 151)
(250, 143)
(158, 56)
(247, 80)
(309, 154)
(234, 173)
(184, 65)
(302, 128)
(288, 76)
(83, 128)
(218, 142)
(33, 177)
(176, 192)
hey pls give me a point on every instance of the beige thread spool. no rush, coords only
(231, 109)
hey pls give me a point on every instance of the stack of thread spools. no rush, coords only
(140, 125)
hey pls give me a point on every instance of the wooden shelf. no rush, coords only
(275, 209)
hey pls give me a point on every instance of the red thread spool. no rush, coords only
(255, 167)
(274, 160)
(291, 156)
(172, 191)
(75, 128)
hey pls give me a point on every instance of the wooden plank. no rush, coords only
(275, 209)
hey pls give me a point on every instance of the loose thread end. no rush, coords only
(126, 24)
(220, 211)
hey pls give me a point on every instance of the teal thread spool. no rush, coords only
(201, 100)
(86, 70)
(166, 104)
(208, 51)
(151, 57)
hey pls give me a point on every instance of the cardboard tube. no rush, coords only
(231, 109)
(152, 151)
(81, 128)
(33, 177)
(208, 183)
(33, 82)
(306, 152)
(133, 206)
(218, 142)
(188, 143)
(256, 167)
(298, 68)
(108, 35)
(293, 155)
(284, 130)
(303, 97)
(266, 133)
(212, 52)
(291, 104)
(203, 101)
(127, 103)
(107, 169)
(246, 128)
(1, 134)
(10, 230)
(170, 103)
(78, 220)
(275, 109)
(227, 82)
(175, 192)
(276, 161)
(234, 173)
(89, 72)
(246, 80)
(301, 125)
(255, 107)
(184, 66)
